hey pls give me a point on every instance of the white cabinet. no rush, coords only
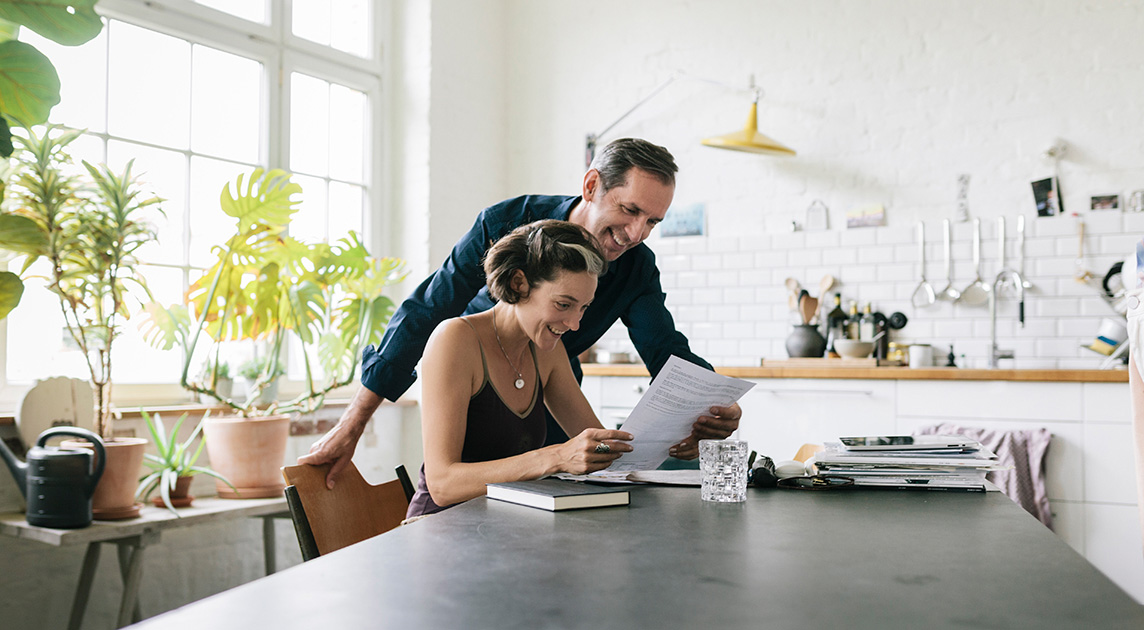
(780, 415)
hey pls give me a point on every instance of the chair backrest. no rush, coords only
(327, 520)
(806, 451)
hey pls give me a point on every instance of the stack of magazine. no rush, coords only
(930, 462)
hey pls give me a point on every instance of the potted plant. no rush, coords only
(217, 374)
(87, 230)
(267, 287)
(173, 468)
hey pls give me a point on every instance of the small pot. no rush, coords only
(250, 452)
(114, 497)
(805, 341)
(180, 496)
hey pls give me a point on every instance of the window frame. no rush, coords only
(281, 54)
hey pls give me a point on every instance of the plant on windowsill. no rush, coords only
(88, 230)
(266, 287)
(173, 468)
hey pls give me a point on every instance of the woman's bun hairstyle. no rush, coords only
(542, 250)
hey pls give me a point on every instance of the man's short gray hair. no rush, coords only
(620, 156)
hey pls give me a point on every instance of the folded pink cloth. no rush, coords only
(1025, 451)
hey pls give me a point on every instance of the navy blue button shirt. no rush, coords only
(629, 292)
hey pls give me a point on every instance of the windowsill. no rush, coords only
(310, 424)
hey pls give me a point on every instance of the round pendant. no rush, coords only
(519, 383)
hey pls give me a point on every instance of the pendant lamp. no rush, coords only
(748, 138)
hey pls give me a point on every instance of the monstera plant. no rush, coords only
(266, 287)
(29, 83)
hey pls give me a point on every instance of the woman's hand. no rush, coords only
(722, 422)
(582, 454)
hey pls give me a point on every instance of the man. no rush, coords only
(625, 194)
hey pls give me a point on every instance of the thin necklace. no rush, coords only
(519, 378)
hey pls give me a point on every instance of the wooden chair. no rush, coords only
(806, 451)
(327, 520)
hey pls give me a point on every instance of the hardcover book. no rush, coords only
(556, 494)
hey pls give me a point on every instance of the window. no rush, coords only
(197, 93)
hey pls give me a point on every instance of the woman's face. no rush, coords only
(553, 308)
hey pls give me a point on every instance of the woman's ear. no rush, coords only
(519, 284)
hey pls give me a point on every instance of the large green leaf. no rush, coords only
(163, 328)
(22, 235)
(10, 291)
(265, 199)
(29, 84)
(67, 22)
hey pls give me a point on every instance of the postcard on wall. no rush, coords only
(1105, 202)
(688, 220)
(1047, 195)
(869, 215)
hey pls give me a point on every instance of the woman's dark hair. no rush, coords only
(542, 250)
(620, 156)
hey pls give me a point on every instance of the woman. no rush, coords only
(488, 377)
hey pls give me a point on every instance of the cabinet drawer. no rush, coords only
(623, 391)
(986, 400)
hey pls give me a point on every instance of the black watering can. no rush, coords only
(58, 482)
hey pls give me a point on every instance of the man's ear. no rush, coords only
(519, 283)
(591, 184)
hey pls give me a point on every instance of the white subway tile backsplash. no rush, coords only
(728, 294)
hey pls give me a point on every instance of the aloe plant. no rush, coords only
(29, 83)
(266, 285)
(175, 459)
(88, 230)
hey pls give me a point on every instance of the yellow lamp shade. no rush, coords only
(749, 139)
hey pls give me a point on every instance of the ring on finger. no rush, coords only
(603, 448)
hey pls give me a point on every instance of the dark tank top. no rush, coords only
(492, 430)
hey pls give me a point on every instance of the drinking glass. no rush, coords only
(724, 470)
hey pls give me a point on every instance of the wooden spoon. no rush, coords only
(824, 285)
(807, 307)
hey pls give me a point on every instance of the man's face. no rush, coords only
(625, 215)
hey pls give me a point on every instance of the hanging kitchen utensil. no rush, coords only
(1021, 252)
(897, 320)
(924, 294)
(1082, 273)
(977, 293)
(948, 293)
(1007, 279)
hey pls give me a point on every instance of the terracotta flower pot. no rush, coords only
(114, 497)
(250, 453)
(180, 496)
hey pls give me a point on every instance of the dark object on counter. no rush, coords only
(805, 341)
(761, 473)
(881, 325)
(898, 321)
(58, 482)
(950, 358)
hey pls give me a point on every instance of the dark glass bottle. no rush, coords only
(835, 325)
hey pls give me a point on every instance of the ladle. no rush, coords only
(977, 293)
(793, 287)
(948, 293)
(924, 294)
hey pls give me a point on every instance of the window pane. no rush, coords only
(36, 333)
(86, 147)
(347, 134)
(351, 21)
(309, 124)
(210, 226)
(134, 360)
(225, 105)
(345, 210)
(253, 10)
(309, 223)
(83, 74)
(162, 173)
(149, 86)
(311, 20)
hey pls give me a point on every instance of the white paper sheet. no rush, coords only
(677, 397)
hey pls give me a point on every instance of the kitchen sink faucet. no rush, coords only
(1007, 277)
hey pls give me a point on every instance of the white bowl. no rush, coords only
(853, 349)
